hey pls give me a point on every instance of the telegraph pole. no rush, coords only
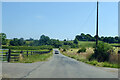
(97, 26)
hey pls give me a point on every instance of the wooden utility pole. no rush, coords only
(97, 26)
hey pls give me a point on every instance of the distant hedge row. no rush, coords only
(28, 47)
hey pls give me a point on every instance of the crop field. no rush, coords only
(86, 43)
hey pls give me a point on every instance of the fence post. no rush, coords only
(9, 54)
(119, 52)
(27, 53)
(22, 53)
(6, 53)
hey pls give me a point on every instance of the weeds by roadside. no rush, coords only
(36, 58)
(84, 58)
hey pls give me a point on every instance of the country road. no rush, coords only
(59, 66)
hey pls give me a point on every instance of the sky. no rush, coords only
(58, 20)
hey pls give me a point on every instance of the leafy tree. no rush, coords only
(44, 40)
(31, 39)
(75, 41)
(101, 52)
(3, 38)
(14, 42)
(55, 43)
(35, 43)
(17, 42)
(21, 41)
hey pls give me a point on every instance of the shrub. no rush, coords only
(94, 62)
(101, 53)
(83, 49)
(64, 50)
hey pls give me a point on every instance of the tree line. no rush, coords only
(45, 40)
(88, 37)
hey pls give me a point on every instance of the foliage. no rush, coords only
(83, 40)
(3, 38)
(28, 47)
(101, 53)
(55, 43)
(83, 49)
(36, 58)
(88, 37)
(17, 42)
(84, 37)
(75, 41)
(44, 40)
(64, 50)
(92, 62)
(65, 47)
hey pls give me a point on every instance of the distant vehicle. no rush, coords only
(56, 52)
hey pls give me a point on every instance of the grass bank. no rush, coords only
(36, 58)
(84, 58)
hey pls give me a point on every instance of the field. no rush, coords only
(28, 47)
(30, 51)
(86, 43)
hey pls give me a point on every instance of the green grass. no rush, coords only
(27, 47)
(5, 58)
(115, 44)
(36, 58)
(22, 50)
(86, 43)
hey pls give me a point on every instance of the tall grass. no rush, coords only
(85, 56)
(36, 58)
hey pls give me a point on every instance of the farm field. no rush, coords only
(29, 56)
(86, 43)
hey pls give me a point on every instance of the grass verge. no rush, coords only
(35, 58)
(93, 62)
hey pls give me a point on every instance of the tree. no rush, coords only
(17, 42)
(3, 38)
(14, 42)
(101, 53)
(21, 41)
(55, 43)
(75, 41)
(44, 40)
(31, 39)
(65, 40)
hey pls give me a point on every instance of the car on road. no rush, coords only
(56, 52)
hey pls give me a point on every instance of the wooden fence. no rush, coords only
(15, 57)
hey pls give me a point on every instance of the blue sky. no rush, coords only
(59, 20)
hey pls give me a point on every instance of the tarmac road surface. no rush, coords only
(59, 66)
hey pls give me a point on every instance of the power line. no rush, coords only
(88, 17)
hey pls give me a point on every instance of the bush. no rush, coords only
(83, 49)
(64, 50)
(101, 53)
